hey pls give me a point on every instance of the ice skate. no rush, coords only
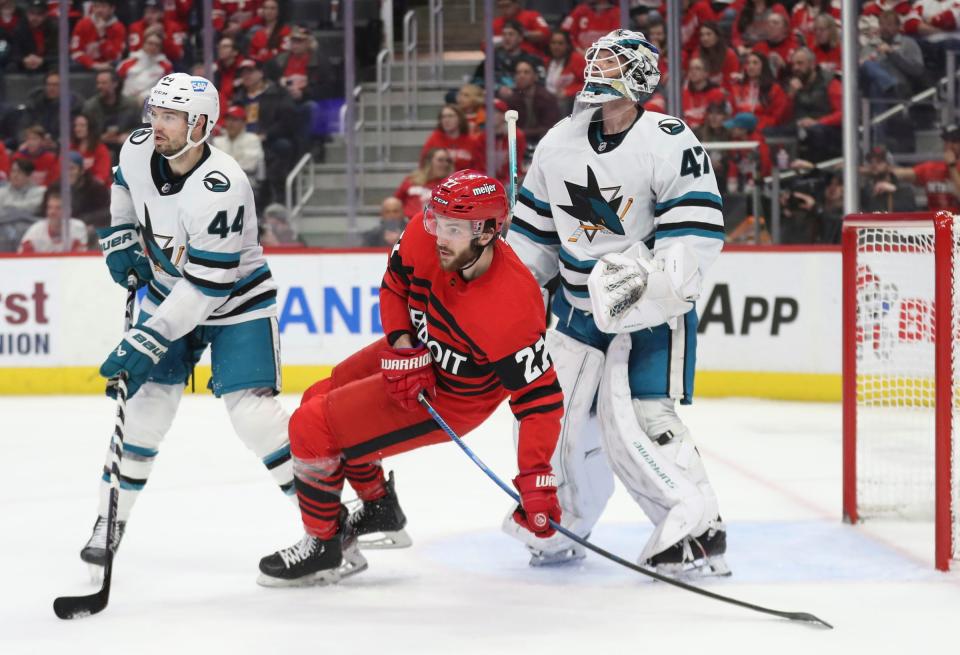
(694, 557)
(312, 561)
(379, 523)
(94, 553)
(565, 557)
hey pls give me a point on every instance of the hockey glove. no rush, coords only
(140, 350)
(538, 500)
(121, 246)
(407, 372)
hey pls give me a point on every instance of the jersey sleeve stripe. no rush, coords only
(691, 199)
(531, 201)
(578, 290)
(208, 288)
(214, 256)
(118, 178)
(537, 393)
(690, 232)
(211, 263)
(575, 264)
(244, 285)
(540, 409)
(546, 237)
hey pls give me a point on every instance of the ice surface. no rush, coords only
(185, 575)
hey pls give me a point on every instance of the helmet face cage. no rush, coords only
(636, 61)
(195, 96)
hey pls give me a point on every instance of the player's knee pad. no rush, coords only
(662, 472)
(584, 479)
(261, 423)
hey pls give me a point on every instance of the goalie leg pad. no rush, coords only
(656, 475)
(261, 423)
(149, 416)
(584, 479)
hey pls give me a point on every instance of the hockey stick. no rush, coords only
(511, 118)
(74, 607)
(792, 616)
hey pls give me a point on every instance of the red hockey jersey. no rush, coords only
(486, 335)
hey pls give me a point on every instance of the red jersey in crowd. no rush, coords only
(260, 48)
(802, 17)
(567, 81)
(460, 148)
(486, 335)
(828, 60)
(98, 162)
(4, 162)
(700, 12)
(695, 103)
(246, 11)
(943, 14)
(775, 110)
(585, 25)
(728, 69)
(178, 10)
(934, 177)
(96, 43)
(532, 22)
(174, 36)
(45, 164)
(778, 53)
(414, 196)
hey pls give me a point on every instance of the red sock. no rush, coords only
(367, 480)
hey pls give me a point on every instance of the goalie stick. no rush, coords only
(74, 607)
(792, 616)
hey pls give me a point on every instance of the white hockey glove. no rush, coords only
(635, 290)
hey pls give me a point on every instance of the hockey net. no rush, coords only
(901, 321)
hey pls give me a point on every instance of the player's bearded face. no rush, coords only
(457, 247)
(169, 130)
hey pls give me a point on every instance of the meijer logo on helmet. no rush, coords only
(486, 188)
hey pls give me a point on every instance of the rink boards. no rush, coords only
(769, 320)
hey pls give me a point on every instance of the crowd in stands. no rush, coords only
(269, 72)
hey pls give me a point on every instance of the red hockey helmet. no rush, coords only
(467, 196)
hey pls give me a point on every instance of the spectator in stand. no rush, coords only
(470, 100)
(534, 28)
(85, 140)
(712, 128)
(656, 33)
(98, 40)
(270, 35)
(275, 228)
(300, 69)
(12, 25)
(750, 27)
(243, 146)
(590, 20)
(173, 34)
(5, 162)
(392, 224)
(225, 77)
(501, 152)
(142, 70)
(698, 93)
(271, 114)
(115, 114)
(721, 61)
(37, 45)
(415, 190)
(37, 151)
(753, 163)
(21, 197)
(564, 71)
(826, 42)
(758, 93)
(453, 135)
(880, 190)
(43, 104)
(243, 12)
(89, 198)
(506, 56)
(536, 107)
(46, 235)
(940, 179)
(805, 12)
(780, 42)
(817, 108)
(890, 66)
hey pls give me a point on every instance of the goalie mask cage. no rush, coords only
(901, 323)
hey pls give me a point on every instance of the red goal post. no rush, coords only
(901, 322)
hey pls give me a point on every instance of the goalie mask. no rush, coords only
(622, 64)
(193, 95)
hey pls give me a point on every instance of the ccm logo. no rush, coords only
(405, 364)
(486, 188)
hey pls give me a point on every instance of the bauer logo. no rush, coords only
(216, 181)
(485, 189)
(671, 126)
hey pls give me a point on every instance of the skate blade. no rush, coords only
(353, 563)
(385, 540)
(96, 573)
(709, 567)
(566, 557)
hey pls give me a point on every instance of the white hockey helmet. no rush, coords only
(194, 95)
(637, 59)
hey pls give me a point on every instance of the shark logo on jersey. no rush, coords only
(590, 205)
(216, 181)
(159, 248)
(671, 126)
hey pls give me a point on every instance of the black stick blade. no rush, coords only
(77, 607)
(807, 618)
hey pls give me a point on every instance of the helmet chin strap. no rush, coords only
(476, 249)
(190, 143)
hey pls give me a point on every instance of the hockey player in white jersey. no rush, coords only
(622, 204)
(183, 220)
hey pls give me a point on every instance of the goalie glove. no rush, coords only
(635, 290)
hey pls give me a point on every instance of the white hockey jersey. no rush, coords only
(199, 232)
(587, 195)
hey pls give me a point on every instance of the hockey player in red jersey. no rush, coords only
(464, 323)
